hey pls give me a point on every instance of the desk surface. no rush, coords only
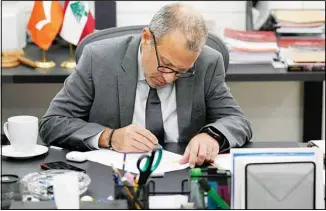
(58, 54)
(101, 176)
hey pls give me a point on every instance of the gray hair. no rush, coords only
(169, 18)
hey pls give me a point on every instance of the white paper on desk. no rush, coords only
(223, 161)
(169, 162)
(241, 157)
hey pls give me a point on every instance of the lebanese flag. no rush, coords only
(45, 22)
(78, 21)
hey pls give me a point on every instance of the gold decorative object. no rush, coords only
(9, 61)
(44, 63)
(27, 62)
(9, 58)
(70, 63)
(13, 53)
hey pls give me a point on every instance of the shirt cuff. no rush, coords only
(93, 140)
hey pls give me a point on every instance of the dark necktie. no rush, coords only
(154, 120)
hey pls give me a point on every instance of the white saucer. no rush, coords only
(8, 151)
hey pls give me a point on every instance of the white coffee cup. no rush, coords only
(22, 132)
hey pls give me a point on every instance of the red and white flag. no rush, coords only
(78, 21)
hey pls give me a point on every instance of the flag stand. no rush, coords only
(44, 63)
(70, 63)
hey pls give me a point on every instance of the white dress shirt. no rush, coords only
(167, 95)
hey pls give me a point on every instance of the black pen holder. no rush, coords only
(137, 197)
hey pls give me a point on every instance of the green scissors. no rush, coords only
(149, 166)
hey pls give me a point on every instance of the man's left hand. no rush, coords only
(201, 148)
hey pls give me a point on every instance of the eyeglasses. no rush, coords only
(163, 69)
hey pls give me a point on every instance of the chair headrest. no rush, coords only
(212, 40)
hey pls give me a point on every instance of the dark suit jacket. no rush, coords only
(101, 93)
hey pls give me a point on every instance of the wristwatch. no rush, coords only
(218, 136)
(210, 132)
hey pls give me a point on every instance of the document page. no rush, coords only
(223, 161)
(169, 162)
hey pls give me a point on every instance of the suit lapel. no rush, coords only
(127, 82)
(184, 97)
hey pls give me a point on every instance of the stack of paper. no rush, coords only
(250, 46)
(306, 59)
(286, 43)
(169, 162)
(303, 53)
(300, 21)
(277, 178)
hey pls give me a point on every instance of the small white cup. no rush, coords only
(66, 190)
(22, 132)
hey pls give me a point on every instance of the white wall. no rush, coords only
(273, 108)
(222, 13)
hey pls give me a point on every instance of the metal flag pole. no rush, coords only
(44, 63)
(70, 63)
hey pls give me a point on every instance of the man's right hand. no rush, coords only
(133, 138)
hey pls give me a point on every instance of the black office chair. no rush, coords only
(212, 40)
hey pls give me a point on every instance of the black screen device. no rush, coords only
(60, 165)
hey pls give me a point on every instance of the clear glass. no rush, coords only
(39, 184)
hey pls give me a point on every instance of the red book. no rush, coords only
(288, 42)
(250, 36)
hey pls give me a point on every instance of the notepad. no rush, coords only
(169, 162)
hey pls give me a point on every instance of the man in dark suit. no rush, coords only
(133, 92)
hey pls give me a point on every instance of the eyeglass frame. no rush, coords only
(177, 74)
